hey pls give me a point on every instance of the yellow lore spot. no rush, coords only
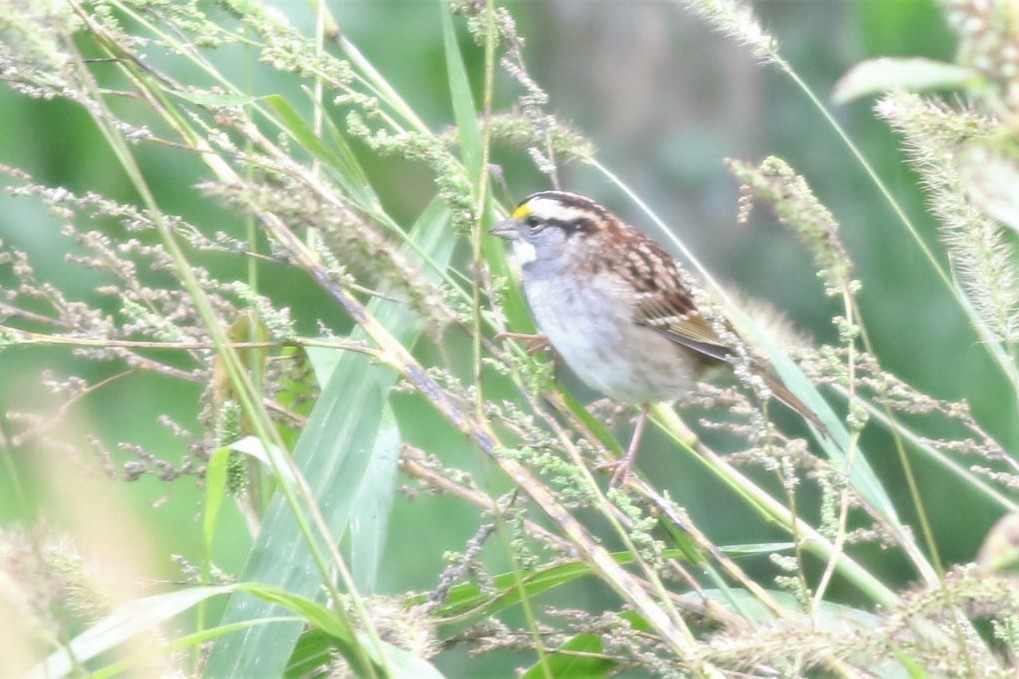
(522, 212)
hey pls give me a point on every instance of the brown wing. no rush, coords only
(664, 304)
(676, 317)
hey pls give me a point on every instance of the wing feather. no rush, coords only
(670, 310)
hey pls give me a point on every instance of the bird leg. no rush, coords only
(532, 343)
(624, 467)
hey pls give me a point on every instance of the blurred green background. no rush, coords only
(665, 100)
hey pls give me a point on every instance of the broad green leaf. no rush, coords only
(249, 445)
(354, 646)
(373, 500)
(314, 613)
(916, 74)
(332, 455)
(312, 652)
(324, 361)
(343, 637)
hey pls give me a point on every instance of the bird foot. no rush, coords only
(621, 470)
(624, 467)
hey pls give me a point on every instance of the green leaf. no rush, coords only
(913, 669)
(373, 501)
(916, 74)
(125, 623)
(861, 474)
(355, 647)
(215, 491)
(332, 455)
(511, 588)
(311, 611)
(565, 665)
(830, 617)
(737, 551)
(187, 641)
(251, 446)
(591, 423)
(324, 361)
(345, 169)
(406, 665)
(311, 654)
(464, 110)
(214, 99)
(690, 550)
(357, 182)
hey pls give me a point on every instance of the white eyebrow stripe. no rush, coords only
(548, 208)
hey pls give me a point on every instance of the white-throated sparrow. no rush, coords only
(613, 304)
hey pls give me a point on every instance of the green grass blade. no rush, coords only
(464, 111)
(373, 502)
(344, 422)
(313, 651)
(861, 474)
(346, 170)
(124, 624)
(584, 665)
(508, 589)
(332, 454)
(215, 491)
(346, 639)
(181, 643)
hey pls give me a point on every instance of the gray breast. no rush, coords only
(592, 328)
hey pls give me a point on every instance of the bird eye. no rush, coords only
(534, 223)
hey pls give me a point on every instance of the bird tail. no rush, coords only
(791, 401)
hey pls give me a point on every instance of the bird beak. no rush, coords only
(507, 229)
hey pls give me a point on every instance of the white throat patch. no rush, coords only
(523, 251)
